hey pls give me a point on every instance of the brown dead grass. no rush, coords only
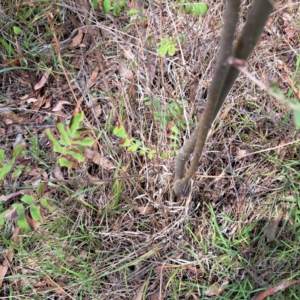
(175, 241)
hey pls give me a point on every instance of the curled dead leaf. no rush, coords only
(274, 289)
(76, 40)
(145, 210)
(106, 163)
(43, 80)
(215, 289)
(94, 179)
(93, 78)
(59, 105)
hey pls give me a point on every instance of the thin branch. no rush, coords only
(198, 137)
(224, 78)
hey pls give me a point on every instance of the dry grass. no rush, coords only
(129, 238)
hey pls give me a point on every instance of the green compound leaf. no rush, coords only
(56, 146)
(117, 9)
(63, 133)
(76, 155)
(44, 202)
(173, 137)
(4, 170)
(22, 222)
(175, 129)
(172, 50)
(2, 155)
(16, 152)
(75, 122)
(144, 150)
(28, 199)
(188, 8)
(126, 143)
(87, 142)
(16, 173)
(64, 162)
(40, 190)
(35, 212)
(120, 132)
(106, 6)
(133, 148)
(95, 4)
(162, 50)
(199, 8)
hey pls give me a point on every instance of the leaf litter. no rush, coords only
(128, 232)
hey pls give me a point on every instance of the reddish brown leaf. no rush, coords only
(274, 289)
(22, 192)
(42, 81)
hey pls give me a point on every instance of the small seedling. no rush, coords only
(188, 8)
(7, 165)
(132, 145)
(167, 46)
(72, 142)
(29, 213)
(105, 5)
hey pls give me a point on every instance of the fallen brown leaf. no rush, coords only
(274, 289)
(6, 263)
(125, 71)
(76, 40)
(106, 163)
(94, 180)
(145, 210)
(43, 80)
(141, 292)
(58, 173)
(93, 78)
(22, 192)
(59, 105)
(215, 289)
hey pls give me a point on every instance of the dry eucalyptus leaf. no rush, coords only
(125, 71)
(145, 210)
(215, 289)
(58, 173)
(141, 292)
(128, 54)
(94, 179)
(93, 78)
(59, 105)
(43, 80)
(107, 164)
(76, 40)
(240, 154)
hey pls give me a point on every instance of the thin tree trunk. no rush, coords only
(223, 79)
